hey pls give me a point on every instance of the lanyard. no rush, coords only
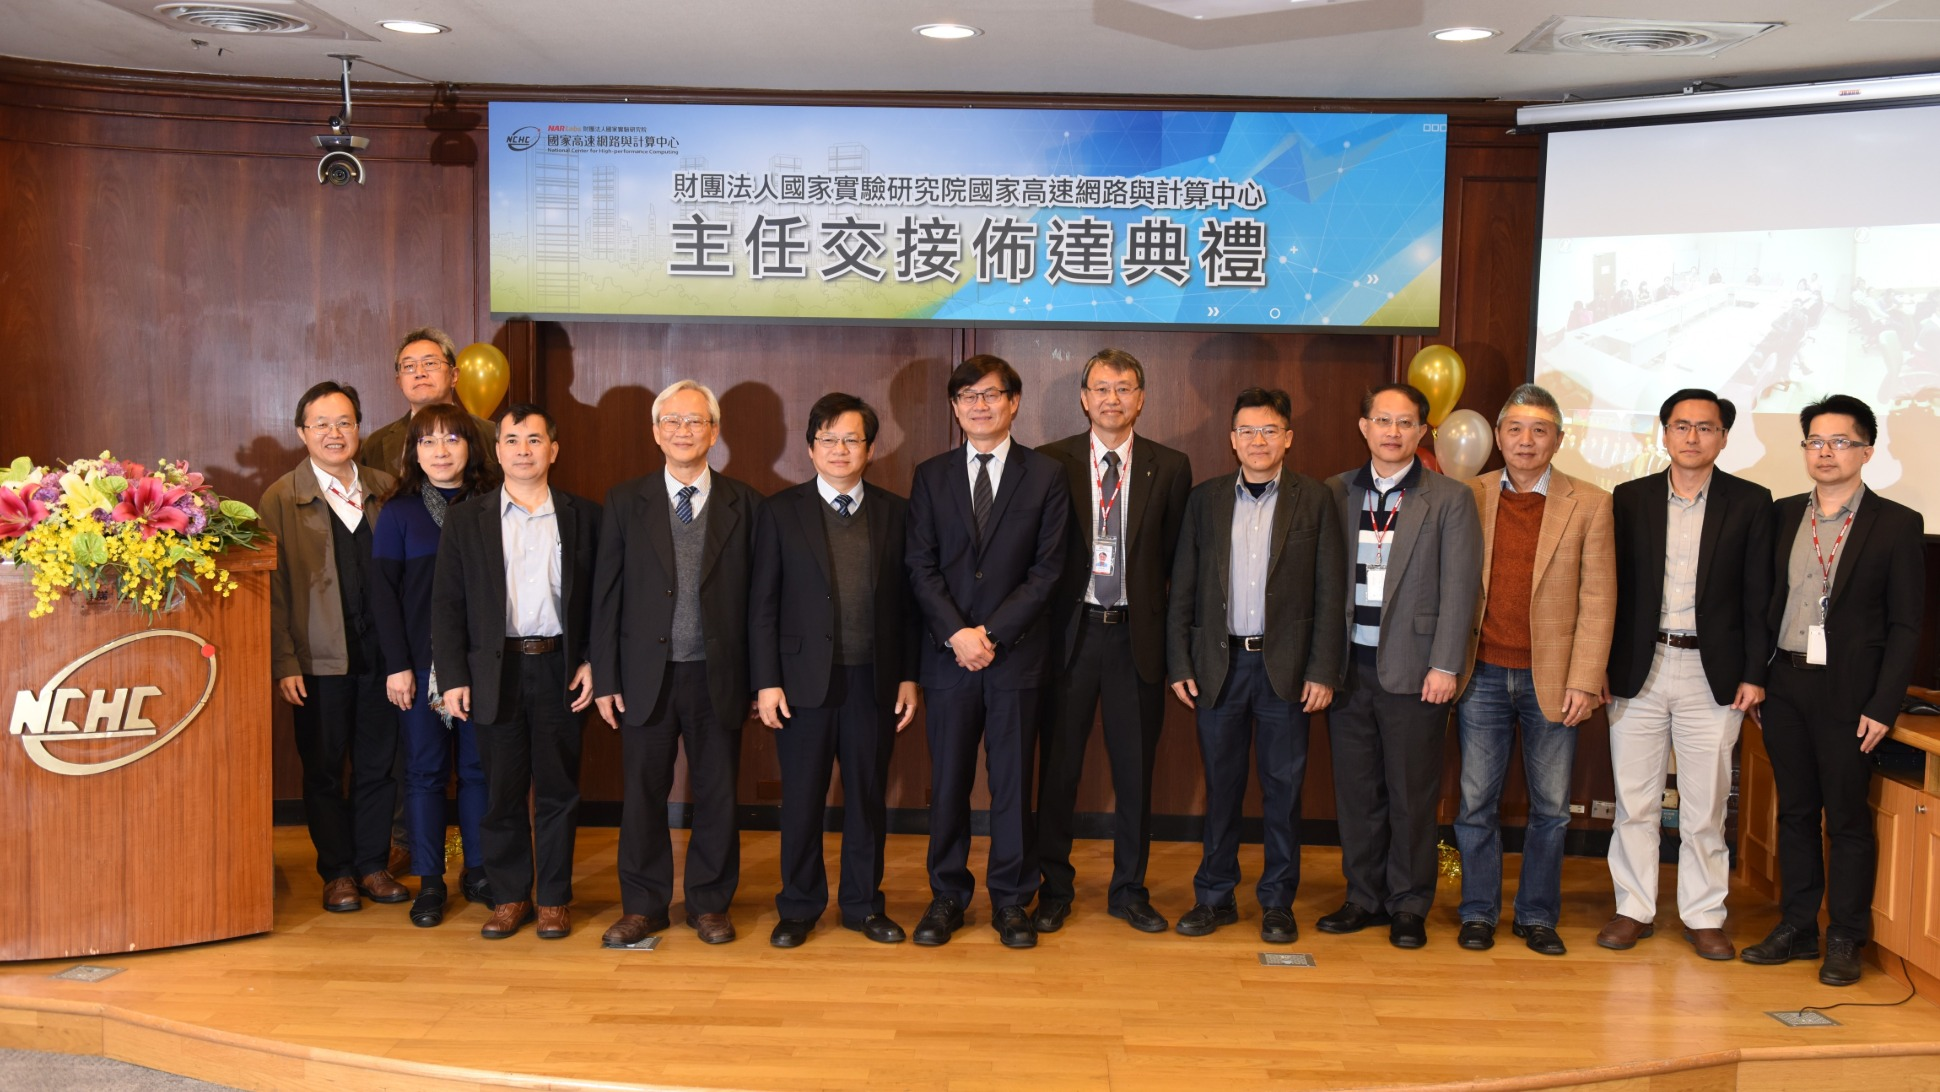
(337, 491)
(1381, 530)
(1825, 565)
(1105, 504)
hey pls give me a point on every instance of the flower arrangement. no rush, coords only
(109, 528)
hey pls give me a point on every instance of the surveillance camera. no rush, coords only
(337, 124)
(340, 165)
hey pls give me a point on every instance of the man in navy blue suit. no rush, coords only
(986, 548)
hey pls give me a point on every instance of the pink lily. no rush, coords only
(19, 511)
(151, 503)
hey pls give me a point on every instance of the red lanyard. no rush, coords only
(1105, 504)
(337, 490)
(1825, 566)
(1381, 532)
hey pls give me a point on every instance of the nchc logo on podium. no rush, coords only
(94, 715)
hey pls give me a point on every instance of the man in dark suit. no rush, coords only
(511, 608)
(986, 545)
(1254, 644)
(670, 665)
(1128, 496)
(1848, 589)
(1414, 560)
(832, 636)
(1687, 661)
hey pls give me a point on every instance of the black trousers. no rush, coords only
(1387, 752)
(850, 727)
(1005, 723)
(1819, 771)
(1250, 718)
(683, 714)
(1100, 672)
(347, 716)
(534, 750)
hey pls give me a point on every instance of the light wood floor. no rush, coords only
(367, 1001)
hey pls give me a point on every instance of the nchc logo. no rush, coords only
(522, 139)
(76, 731)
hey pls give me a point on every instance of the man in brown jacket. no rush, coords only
(1549, 598)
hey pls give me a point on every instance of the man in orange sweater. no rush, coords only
(1549, 596)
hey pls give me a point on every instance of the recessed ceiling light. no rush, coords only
(946, 30)
(1465, 34)
(412, 26)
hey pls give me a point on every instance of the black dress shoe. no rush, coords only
(1782, 945)
(1140, 915)
(1277, 925)
(1541, 939)
(428, 909)
(1841, 966)
(877, 927)
(1350, 918)
(1050, 914)
(790, 932)
(1201, 920)
(1476, 936)
(1407, 931)
(945, 916)
(476, 887)
(1014, 927)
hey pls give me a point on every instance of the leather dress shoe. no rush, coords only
(428, 909)
(1407, 931)
(1350, 918)
(398, 861)
(1201, 920)
(555, 922)
(790, 933)
(1622, 933)
(1782, 945)
(506, 920)
(712, 928)
(1541, 939)
(1014, 927)
(340, 896)
(945, 916)
(1711, 943)
(380, 887)
(1277, 925)
(1140, 916)
(1051, 913)
(632, 929)
(877, 927)
(1841, 966)
(476, 887)
(1476, 936)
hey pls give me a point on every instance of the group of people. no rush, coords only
(440, 592)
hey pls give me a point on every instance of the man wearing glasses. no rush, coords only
(670, 665)
(1128, 497)
(1849, 587)
(427, 373)
(1687, 661)
(1254, 643)
(986, 546)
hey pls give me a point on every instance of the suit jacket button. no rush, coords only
(663, 640)
(980, 575)
(670, 593)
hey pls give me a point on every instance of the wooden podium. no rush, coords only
(135, 770)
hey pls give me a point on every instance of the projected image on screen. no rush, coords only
(1772, 280)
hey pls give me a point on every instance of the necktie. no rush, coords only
(842, 502)
(684, 503)
(980, 494)
(1108, 589)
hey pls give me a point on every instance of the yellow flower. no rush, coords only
(82, 495)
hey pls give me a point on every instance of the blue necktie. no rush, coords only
(684, 503)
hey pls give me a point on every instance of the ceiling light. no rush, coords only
(946, 30)
(412, 26)
(1465, 34)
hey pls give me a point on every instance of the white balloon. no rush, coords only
(1463, 443)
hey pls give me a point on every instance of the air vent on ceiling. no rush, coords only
(230, 19)
(268, 18)
(1629, 37)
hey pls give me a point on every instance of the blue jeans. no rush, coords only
(1249, 716)
(1497, 699)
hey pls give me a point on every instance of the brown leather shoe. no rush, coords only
(399, 863)
(1622, 934)
(631, 929)
(1711, 943)
(713, 928)
(506, 920)
(380, 887)
(555, 922)
(340, 896)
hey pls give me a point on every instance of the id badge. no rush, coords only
(1377, 583)
(1104, 556)
(1815, 644)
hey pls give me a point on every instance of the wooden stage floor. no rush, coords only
(366, 1001)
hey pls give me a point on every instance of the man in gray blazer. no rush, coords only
(1414, 560)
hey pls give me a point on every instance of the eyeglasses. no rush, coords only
(1121, 391)
(325, 427)
(678, 422)
(1836, 443)
(1268, 433)
(437, 439)
(420, 366)
(830, 443)
(1383, 423)
(984, 396)
(1686, 428)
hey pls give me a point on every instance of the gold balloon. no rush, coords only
(483, 375)
(1437, 372)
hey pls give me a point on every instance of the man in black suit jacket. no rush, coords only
(1687, 661)
(832, 640)
(1128, 496)
(1254, 642)
(986, 545)
(1849, 588)
(670, 665)
(533, 607)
